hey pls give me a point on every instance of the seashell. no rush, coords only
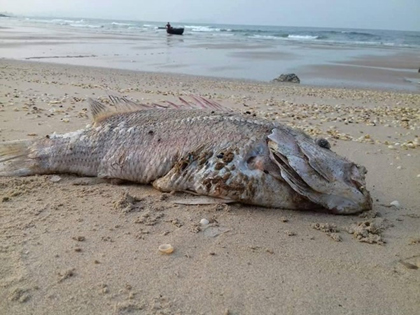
(55, 178)
(166, 249)
(395, 203)
(204, 222)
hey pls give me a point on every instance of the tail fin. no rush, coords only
(15, 159)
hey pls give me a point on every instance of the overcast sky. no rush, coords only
(375, 14)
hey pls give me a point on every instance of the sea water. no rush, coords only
(328, 36)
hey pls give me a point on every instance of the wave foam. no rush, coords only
(85, 25)
(305, 37)
(120, 24)
(264, 37)
(197, 28)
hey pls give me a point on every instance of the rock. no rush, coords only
(290, 77)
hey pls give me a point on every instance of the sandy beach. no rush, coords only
(73, 245)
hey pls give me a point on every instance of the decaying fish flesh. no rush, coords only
(202, 148)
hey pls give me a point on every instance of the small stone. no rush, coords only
(414, 241)
(163, 197)
(204, 222)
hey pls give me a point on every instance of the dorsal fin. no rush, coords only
(123, 105)
(99, 110)
(197, 103)
(116, 105)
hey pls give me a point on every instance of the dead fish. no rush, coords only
(202, 148)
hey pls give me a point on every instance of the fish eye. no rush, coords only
(323, 143)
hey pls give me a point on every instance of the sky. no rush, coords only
(371, 14)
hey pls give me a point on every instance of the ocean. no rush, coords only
(326, 36)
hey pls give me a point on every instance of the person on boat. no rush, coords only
(168, 26)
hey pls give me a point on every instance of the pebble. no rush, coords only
(290, 233)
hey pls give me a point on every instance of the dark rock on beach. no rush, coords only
(290, 77)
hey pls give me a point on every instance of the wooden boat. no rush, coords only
(175, 31)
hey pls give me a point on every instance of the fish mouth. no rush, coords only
(319, 174)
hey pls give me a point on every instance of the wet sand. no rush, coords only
(263, 60)
(397, 60)
(73, 245)
(387, 72)
(380, 78)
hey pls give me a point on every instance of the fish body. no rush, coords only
(206, 151)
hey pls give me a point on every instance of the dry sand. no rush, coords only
(72, 245)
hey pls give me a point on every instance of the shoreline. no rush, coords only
(218, 78)
(315, 65)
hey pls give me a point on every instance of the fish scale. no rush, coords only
(174, 134)
(198, 147)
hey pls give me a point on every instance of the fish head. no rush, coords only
(314, 171)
